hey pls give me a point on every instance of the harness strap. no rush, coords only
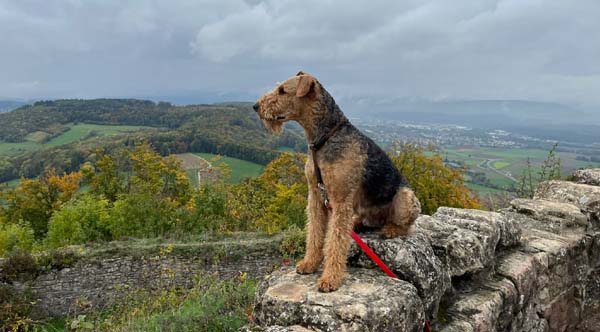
(314, 147)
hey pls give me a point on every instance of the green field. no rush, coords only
(503, 166)
(75, 133)
(240, 169)
(11, 184)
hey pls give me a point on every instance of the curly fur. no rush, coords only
(363, 185)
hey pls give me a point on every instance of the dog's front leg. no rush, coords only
(337, 244)
(315, 236)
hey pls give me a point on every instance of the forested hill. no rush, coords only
(51, 116)
(228, 129)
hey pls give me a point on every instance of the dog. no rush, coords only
(352, 182)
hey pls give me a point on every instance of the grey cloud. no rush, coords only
(506, 49)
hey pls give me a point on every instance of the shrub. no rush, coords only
(293, 242)
(209, 211)
(15, 238)
(549, 170)
(19, 266)
(141, 214)
(434, 183)
(79, 221)
(15, 310)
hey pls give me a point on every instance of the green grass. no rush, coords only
(500, 164)
(240, 169)
(75, 133)
(212, 305)
(481, 189)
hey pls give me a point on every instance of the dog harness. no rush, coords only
(314, 147)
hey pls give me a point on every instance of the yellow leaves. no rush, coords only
(66, 185)
(434, 184)
(35, 200)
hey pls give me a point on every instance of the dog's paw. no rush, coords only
(328, 285)
(306, 267)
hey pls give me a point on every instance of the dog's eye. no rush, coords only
(281, 90)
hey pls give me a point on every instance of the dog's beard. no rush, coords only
(274, 126)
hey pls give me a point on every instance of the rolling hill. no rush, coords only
(63, 134)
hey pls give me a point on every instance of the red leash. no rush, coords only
(373, 255)
(382, 266)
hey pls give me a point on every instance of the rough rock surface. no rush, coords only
(585, 196)
(367, 301)
(460, 249)
(510, 231)
(556, 214)
(588, 176)
(534, 267)
(412, 259)
(277, 328)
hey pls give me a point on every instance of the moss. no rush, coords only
(442, 314)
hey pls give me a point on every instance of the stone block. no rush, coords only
(587, 176)
(367, 301)
(510, 231)
(458, 248)
(412, 259)
(556, 214)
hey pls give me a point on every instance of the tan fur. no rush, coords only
(328, 231)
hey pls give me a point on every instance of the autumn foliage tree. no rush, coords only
(34, 201)
(434, 183)
(274, 200)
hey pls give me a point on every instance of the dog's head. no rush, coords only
(290, 100)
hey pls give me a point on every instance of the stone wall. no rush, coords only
(94, 281)
(534, 267)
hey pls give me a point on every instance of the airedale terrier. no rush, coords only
(362, 185)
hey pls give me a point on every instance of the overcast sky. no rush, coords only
(513, 49)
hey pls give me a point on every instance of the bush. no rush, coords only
(15, 310)
(434, 183)
(15, 238)
(209, 212)
(142, 215)
(293, 242)
(79, 221)
(19, 266)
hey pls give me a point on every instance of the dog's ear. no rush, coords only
(300, 73)
(306, 84)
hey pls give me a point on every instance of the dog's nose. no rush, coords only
(255, 107)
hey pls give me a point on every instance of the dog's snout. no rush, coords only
(255, 107)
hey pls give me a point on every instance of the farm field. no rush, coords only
(75, 133)
(239, 168)
(504, 167)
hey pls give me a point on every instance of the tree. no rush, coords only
(80, 220)
(276, 199)
(34, 200)
(434, 183)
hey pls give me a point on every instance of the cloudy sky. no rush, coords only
(439, 49)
